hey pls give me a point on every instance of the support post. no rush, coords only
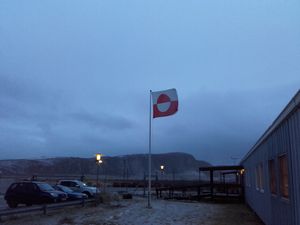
(149, 156)
(45, 209)
(97, 184)
(211, 184)
(97, 179)
(144, 184)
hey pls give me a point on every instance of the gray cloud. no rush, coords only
(102, 120)
(211, 125)
(39, 122)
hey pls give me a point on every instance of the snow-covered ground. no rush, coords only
(135, 212)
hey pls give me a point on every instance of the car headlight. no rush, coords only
(54, 195)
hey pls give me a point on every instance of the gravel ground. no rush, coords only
(135, 212)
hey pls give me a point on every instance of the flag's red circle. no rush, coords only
(163, 98)
(163, 103)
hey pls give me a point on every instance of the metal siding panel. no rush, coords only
(294, 131)
(275, 210)
(281, 210)
(259, 201)
(290, 215)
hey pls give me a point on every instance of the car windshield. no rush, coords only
(65, 189)
(45, 187)
(81, 183)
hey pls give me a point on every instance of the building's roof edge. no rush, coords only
(294, 102)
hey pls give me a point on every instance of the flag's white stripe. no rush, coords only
(163, 107)
(170, 92)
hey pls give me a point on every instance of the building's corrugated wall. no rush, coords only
(273, 209)
(293, 127)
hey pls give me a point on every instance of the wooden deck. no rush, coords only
(223, 188)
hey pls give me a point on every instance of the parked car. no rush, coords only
(32, 192)
(72, 195)
(79, 186)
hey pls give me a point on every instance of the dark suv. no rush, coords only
(32, 192)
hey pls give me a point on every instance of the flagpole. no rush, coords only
(149, 155)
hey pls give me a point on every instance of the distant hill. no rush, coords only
(134, 166)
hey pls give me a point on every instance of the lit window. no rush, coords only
(259, 177)
(272, 176)
(284, 180)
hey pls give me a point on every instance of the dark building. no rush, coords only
(272, 169)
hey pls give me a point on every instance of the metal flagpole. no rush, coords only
(149, 156)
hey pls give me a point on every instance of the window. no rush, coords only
(28, 187)
(20, 187)
(259, 177)
(45, 187)
(65, 183)
(272, 176)
(244, 173)
(73, 184)
(247, 177)
(13, 187)
(256, 178)
(283, 176)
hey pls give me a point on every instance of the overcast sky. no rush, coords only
(75, 75)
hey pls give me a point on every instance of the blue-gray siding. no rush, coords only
(273, 209)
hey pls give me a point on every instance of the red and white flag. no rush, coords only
(165, 103)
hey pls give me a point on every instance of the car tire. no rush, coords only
(87, 193)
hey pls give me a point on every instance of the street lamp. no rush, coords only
(242, 171)
(98, 158)
(162, 167)
(98, 161)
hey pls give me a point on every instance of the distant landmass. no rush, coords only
(132, 166)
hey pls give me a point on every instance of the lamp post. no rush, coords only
(98, 161)
(162, 168)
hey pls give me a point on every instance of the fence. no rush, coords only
(44, 208)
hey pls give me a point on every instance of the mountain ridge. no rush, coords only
(134, 165)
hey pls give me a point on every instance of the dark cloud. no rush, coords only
(102, 120)
(19, 89)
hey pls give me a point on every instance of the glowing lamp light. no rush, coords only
(98, 158)
(162, 167)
